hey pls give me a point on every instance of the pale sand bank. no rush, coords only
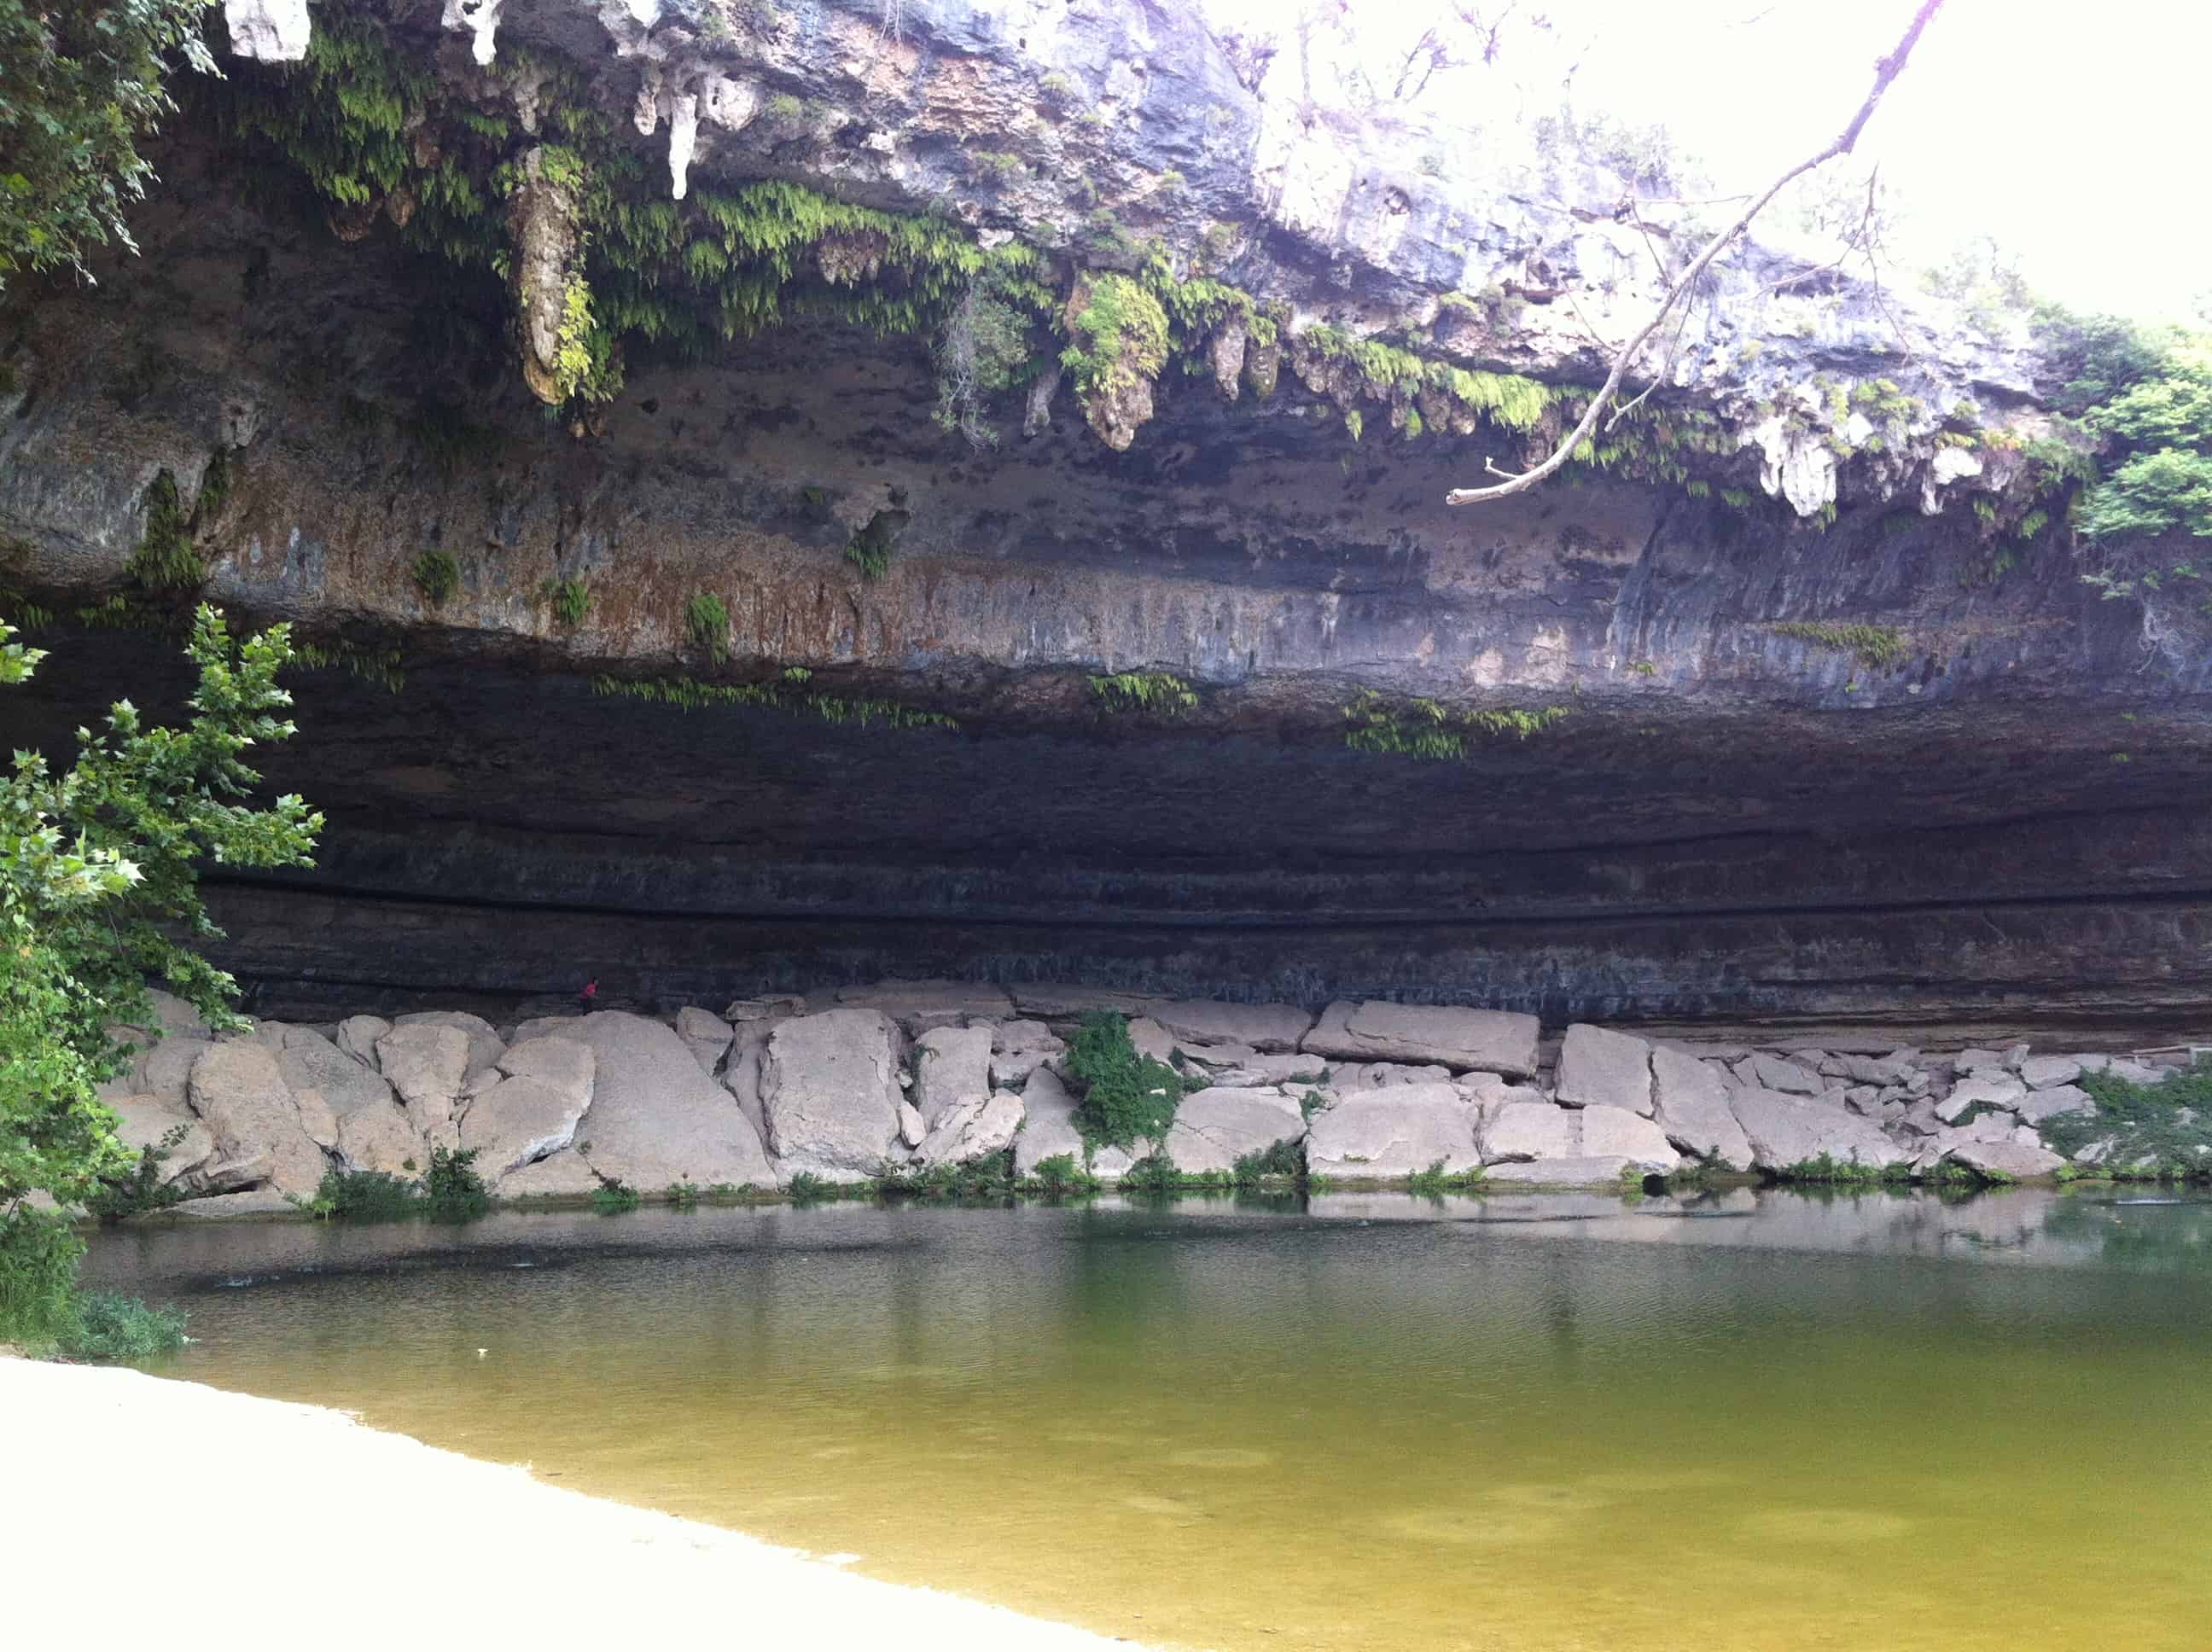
(135, 1511)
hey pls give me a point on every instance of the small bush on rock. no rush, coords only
(365, 1196)
(1127, 1098)
(1061, 1174)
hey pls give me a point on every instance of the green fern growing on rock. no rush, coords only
(571, 599)
(707, 623)
(436, 575)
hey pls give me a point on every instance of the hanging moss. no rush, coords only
(688, 694)
(166, 559)
(1118, 335)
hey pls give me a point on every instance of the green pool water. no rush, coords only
(1748, 1420)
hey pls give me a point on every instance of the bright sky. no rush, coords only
(2072, 133)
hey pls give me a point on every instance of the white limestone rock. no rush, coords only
(1985, 1088)
(973, 1130)
(706, 1036)
(1787, 1130)
(2049, 1104)
(951, 1067)
(1495, 1041)
(427, 1064)
(1516, 1132)
(829, 1091)
(1396, 1132)
(2011, 1160)
(1599, 1067)
(533, 1111)
(1616, 1132)
(358, 1036)
(485, 1044)
(654, 1118)
(1048, 1123)
(1268, 1029)
(1215, 1128)
(2049, 1072)
(239, 1090)
(268, 31)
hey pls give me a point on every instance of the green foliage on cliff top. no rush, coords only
(1127, 1098)
(80, 87)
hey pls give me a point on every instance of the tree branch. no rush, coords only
(1885, 71)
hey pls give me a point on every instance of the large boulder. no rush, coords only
(2040, 1104)
(1268, 1029)
(1019, 1049)
(145, 1121)
(654, 1118)
(1521, 1131)
(166, 1069)
(563, 1175)
(1691, 1105)
(1048, 1123)
(311, 1062)
(358, 1036)
(1986, 1088)
(951, 1067)
(1601, 1068)
(380, 1136)
(1616, 1132)
(974, 1129)
(2011, 1160)
(427, 1063)
(1496, 1041)
(533, 1111)
(1765, 1071)
(1351, 1075)
(829, 1091)
(1788, 1130)
(484, 1041)
(240, 1091)
(2049, 1072)
(1397, 1132)
(1215, 1128)
(706, 1035)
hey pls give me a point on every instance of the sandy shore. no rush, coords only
(136, 1510)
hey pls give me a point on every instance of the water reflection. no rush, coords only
(1528, 1421)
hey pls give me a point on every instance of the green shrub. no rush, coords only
(453, 1189)
(123, 1327)
(143, 1189)
(869, 550)
(365, 1196)
(614, 1198)
(1157, 691)
(1061, 1174)
(707, 623)
(436, 575)
(683, 1195)
(2164, 1128)
(807, 1188)
(39, 1304)
(1284, 1158)
(1127, 1098)
(1825, 1170)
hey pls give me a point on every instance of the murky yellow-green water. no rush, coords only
(1754, 1421)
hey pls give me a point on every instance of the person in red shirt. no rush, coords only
(590, 996)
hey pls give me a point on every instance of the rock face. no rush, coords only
(1488, 1039)
(829, 1091)
(427, 1063)
(1214, 1128)
(1398, 1132)
(654, 1118)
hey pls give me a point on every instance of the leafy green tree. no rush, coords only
(80, 87)
(99, 875)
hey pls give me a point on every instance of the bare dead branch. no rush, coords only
(1885, 71)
